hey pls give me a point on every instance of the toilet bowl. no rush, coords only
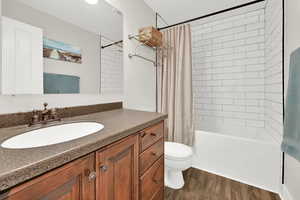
(178, 157)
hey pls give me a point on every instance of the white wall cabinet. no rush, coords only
(22, 58)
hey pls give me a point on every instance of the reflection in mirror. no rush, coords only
(54, 47)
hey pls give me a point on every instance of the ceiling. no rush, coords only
(100, 18)
(175, 11)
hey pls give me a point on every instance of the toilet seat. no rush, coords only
(176, 151)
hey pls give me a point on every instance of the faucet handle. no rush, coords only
(45, 105)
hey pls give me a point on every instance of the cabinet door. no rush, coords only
(22, 58)
(75, 181)
(117, 171)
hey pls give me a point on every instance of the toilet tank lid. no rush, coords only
(177, 151)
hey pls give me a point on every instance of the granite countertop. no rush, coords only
(17, 166)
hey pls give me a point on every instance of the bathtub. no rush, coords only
(254, 160)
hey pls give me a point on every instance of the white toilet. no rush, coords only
(178, 157)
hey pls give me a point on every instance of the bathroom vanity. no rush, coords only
(123, 161)
(53, 52)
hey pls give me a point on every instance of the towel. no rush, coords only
(61, 84)
(291, 138)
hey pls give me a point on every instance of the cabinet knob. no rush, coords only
(92, 176)
(143, 134)
(153, 134)
(153, 153)
(104, 168)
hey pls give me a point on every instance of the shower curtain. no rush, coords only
(175, 84)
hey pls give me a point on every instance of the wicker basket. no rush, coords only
(150, 36)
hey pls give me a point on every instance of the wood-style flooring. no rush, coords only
(200, 185)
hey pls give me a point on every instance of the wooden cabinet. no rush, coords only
(152, 163)
(117, 171)
(130, 169)
(74, 181)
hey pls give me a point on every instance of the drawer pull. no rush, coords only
(153, 134)
(153, 153)
(104, 168)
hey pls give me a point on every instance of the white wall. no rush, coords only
(273, 70)
(56, 29)
(292, 166)
(228, 72)
(25, 103)
(237, 64)
(0, 41)
(111, 69)
(139, 75)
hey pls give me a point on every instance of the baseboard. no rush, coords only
(285, 194)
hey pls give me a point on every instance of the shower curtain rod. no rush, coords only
(212, 14)
(194, 19)
(283, 86)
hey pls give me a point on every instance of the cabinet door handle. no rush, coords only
(92, 176)
(104, 168)
(153, 134)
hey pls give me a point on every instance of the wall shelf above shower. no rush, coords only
(132, 55)
(151, 38)
(136, 38)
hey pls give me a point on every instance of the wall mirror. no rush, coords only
(55, 47)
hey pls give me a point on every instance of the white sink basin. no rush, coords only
(52, 135)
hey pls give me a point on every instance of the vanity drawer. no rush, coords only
(152, 181)
(151, 135)
(150, 155)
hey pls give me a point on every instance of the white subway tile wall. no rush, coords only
(111, 69)
(273, 69)
(229, 72)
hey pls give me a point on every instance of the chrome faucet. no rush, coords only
(44, 116)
